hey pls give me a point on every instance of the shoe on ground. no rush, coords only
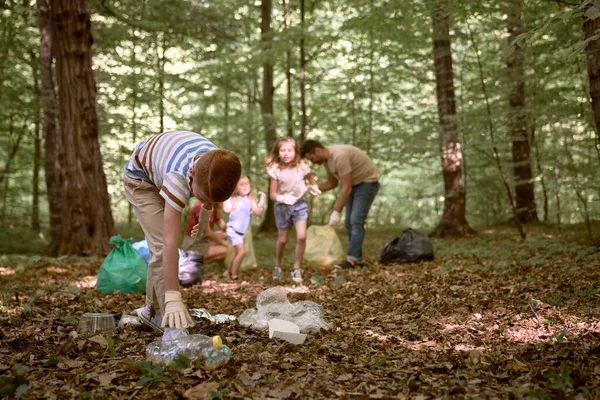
(297, 275)
(277, 273)
(346, 264)
(154, 323)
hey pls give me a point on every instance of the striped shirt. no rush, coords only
(165, 161)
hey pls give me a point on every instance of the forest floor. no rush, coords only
(492, 316)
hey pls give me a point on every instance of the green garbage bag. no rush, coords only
(123, 270)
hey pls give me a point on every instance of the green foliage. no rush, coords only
(15, 384)
(369, 81)
(151, 373)
(111, 346)
(70, 320)
(218, 394)
(560, 380)
(181, 362)
(91, 395)
(317, 280)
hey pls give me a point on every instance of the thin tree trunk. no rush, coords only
(288, 71)
(37, 151)
(579, 192)
(87, 222)
(592, 52)
(134, 127)
(304, 118)
(517, 120)
(50, 132)
(13, 148)
(453, 220)
(371, 88)
(493, 140)
(226, 138)
(268, 223)
(557, 194)
(160, 65)
(538, 160)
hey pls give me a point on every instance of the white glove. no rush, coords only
(286, 199)
(314, 190)
(194, 231)
(334, 218)
(263, 199)
(176, 313)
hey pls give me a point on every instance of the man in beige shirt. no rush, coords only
(359, 178)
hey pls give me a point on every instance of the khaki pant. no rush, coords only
(150, 207)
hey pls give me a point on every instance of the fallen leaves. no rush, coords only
(491, 328)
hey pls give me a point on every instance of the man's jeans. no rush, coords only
(357, 209)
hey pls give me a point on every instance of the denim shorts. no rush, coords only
(233, 237)
(286, 216)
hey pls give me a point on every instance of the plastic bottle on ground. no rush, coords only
(210, 348)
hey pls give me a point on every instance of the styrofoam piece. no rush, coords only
(286, 330)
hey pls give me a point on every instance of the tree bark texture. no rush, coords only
(592, 52)
(304, 118)
(517, 120)
(87, 222)
(268, 223)
(49, 125)
(37, 147)
(453, 222)
(288, 72)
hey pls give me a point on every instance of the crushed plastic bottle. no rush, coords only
(216, 319)
(211, 349)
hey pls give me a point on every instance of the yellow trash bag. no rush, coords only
(249, 262)
(323, 247)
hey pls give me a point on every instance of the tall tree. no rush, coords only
(268, 223)
(37, 146)
(517, 119)
(591, 27)
(304, 118)
(288, 71)
(454, 221)
(50, 115)
(87, 222)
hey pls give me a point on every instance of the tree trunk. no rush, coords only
(87, 222)
(304, 117)
(160, 64)
(288, 71)
(50, 133)
(371, 88)
(592, 52)
(226, 138)
(37, 151)
(268, 223)
(134, 97)
(517, 120)
(453, 221)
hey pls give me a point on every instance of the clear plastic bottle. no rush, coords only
(211, 349)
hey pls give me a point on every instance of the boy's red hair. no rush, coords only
(216, 173)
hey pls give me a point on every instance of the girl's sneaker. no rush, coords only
(297, 275)
(277, 273)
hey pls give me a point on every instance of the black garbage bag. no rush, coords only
(191, 268)
(412, 246)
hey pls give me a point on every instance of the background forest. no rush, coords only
(482, 115)
(515, 119)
